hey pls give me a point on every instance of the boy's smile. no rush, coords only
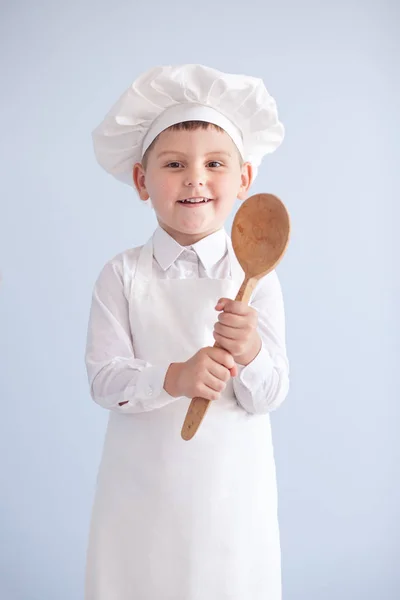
(193, 178)
(191, 202)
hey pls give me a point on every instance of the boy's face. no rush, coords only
(201, 164)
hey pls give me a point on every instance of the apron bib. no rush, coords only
(176, 520)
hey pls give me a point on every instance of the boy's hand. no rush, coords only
(204, 375)
(236, 330)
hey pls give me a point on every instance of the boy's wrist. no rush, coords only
(248, 357)
(171, 378)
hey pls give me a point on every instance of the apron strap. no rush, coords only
(144, 266)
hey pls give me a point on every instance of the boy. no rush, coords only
(175, 520)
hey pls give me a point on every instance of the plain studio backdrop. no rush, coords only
(333, 68)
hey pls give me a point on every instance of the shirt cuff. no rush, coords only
(151, 382)
(257, 371)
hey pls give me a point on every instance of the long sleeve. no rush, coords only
(114, 374)
(262, 385)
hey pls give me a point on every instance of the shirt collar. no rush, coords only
(210, 249)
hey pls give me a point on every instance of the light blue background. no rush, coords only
(334, 70)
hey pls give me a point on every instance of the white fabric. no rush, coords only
(175, 520)
(248, 109)
(116, 374)
(206, 258)
(192, 112)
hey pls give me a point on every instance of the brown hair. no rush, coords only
(184, 126)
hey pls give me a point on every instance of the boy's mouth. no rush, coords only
(194, 201)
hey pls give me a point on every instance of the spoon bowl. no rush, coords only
(260, 234)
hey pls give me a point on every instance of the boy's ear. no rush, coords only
(246, 179)
(139, 179)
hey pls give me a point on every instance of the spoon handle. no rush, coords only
(199, 406)
(246, 289)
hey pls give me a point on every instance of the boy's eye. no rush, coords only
(214, 163)
(174, 165)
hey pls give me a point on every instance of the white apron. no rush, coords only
(177, 520)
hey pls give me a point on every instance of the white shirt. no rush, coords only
(116, 376)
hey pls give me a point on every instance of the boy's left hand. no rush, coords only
(236, 330)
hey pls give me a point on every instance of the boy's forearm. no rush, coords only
(171, 378)
(263, 384)
(118, 386)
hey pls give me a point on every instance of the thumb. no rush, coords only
(234, 371)
(221, 303)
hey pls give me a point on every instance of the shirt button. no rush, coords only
(149, 391)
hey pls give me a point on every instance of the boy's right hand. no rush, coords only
(205, 375)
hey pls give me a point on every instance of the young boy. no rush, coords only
(176, 520)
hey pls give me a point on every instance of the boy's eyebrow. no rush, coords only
(175, 152)
(178, 153)
(220, 153)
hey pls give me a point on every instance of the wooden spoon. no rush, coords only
(260, 235)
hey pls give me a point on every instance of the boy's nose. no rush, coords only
(194, 178)
(193, 183)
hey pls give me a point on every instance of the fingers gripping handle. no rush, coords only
(199, 406)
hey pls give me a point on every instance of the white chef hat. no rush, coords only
(166, 95)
